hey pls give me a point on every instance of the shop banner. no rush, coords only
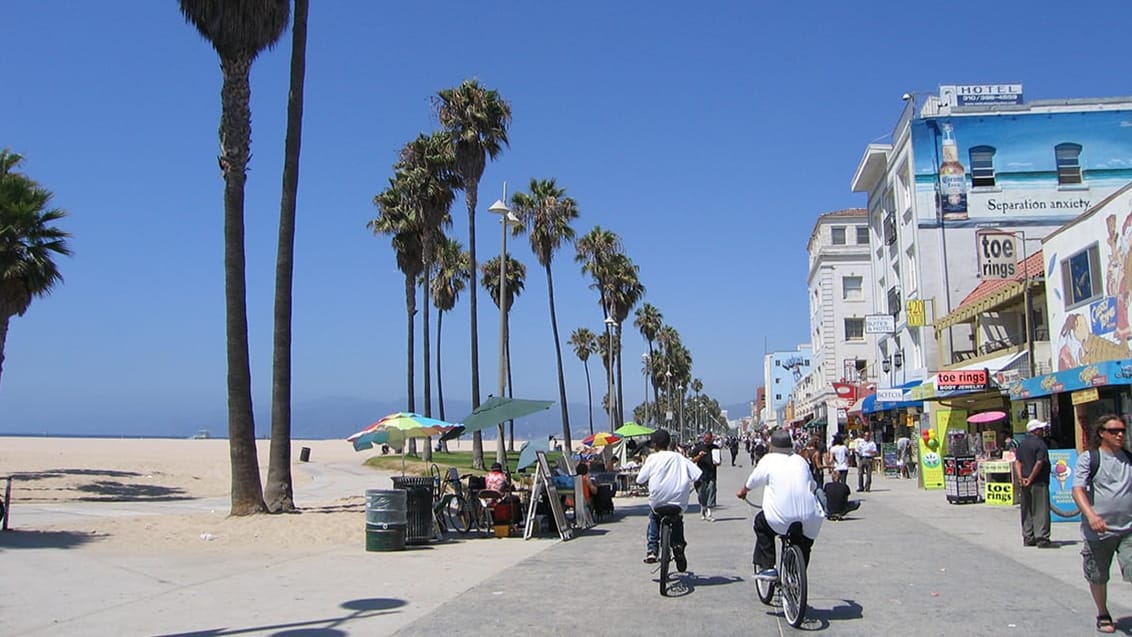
(931, 467)
(998, 482)
(1062, 508)
(888, 452)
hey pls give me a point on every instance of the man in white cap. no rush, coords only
(789, 504)
(1031, 472)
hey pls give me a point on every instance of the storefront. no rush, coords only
(887, 417)
(1079, 396)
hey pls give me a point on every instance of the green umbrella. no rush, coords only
(630, 429)
(494, 411)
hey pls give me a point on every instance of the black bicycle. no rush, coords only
(667, 515)
(791, 583)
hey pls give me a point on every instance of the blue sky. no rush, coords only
(709, 136)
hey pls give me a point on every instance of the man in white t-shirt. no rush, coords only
(788, 498)
(866, 451)
(670, 477)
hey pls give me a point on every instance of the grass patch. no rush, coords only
(462, 460)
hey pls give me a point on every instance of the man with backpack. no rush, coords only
(1102, 489)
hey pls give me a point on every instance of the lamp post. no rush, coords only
(609, 323)
(668, 391)
(645, 360)
(500, 208)
(680, 422)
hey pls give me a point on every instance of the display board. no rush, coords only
(544, 487)
(888, 452)
(961, 479)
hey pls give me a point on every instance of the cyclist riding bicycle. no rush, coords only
(787, 498)
(670, 476)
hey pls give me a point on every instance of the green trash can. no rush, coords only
(418, 507)
(385, 520)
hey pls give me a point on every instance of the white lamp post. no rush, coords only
(506, 217)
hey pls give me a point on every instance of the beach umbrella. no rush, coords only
(986, 416)
(494, 411)
(600, 439)
(395, 429)
(527, 455)
(632, 429)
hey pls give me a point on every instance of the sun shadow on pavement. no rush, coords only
(17, 539)
(324, 627)
(822, 618)
(111, 491)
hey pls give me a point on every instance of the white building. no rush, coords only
(841, 295)
(781, 372)
(975, 158)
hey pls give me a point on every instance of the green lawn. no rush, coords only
(462, 460)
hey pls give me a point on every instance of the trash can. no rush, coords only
(385, 520)
(418, 507)
(305, 454)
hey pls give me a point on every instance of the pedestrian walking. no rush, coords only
(704, 458)
(866, 452)
(903, 444)
(839, 457)
(733, 447)
(1031, 471)
(1102, 489)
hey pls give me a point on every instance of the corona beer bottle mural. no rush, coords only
(952, 178)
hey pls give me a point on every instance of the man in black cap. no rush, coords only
(788, 498)
(670, 476)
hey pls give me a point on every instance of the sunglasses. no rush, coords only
(1114, 431)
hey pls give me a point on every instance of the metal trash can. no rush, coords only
(385, 520)
(305, 454)
(419, 507)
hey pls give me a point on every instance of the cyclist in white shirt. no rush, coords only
(788, 497)
(670, 477)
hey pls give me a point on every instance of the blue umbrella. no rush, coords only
(527, 455)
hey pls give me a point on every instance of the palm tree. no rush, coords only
(607, 347)
(595, 251)
(697, 386)
(453, 271)
(239, 30)
(476, 119)
(649, 321)
(547, 213)
(625, 291)
(427, 167)
(29, 241)
(584, 343)
(396, 219)
(278, 493)
(516, 280)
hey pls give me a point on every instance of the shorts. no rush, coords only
(1097, 558)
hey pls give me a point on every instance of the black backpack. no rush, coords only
(1095, 465)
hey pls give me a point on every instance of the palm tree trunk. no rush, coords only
(558, 358)
(471, 192)
(427, 454)
(589, 395)
(5, 317)
(235, 143)
(439, 376)
(410, 310)
(279, 490)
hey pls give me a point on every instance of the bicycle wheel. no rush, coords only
(792, 581)
(457, 515)
(765, 589)
(665, 555)
(434, 473)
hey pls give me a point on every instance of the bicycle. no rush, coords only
(667, 515)
(454, 511)
(791, 583)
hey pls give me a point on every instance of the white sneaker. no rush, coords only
(709, 518)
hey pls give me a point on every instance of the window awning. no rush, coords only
(870, 405)
(1112, 372)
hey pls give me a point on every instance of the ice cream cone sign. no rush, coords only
(1061, 471)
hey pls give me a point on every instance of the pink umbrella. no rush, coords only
(986, 416)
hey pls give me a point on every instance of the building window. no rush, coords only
(776, 396)
(776, 363)
(837, 235)
(854, 329)
(894, 301)
(1068, 163)
(863, 235)
(1081, 277)
(982, 166)
(890, 229)
(851, 288)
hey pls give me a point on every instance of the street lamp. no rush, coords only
(680, 422)
(645, 360)
(609, 323)
(668, 391)
(506, 217)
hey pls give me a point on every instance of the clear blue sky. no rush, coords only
(709, 136)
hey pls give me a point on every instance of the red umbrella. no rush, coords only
(600, 439)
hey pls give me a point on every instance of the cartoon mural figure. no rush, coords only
(1118, 275)
(1071, 342)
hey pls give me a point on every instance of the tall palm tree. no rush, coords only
(476, 119)
(516, 280)
(427, 169)
(278, 492)
(547, 212)
(396, 219)
(453, 272)
(239, 30)
(697, 386)
(607, 348)
(625, 291)
(584, 343)
(649, 321)
(595, 251)
(29, 241)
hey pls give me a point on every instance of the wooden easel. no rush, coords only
(544, 486)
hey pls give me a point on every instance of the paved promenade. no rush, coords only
(907, 563)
